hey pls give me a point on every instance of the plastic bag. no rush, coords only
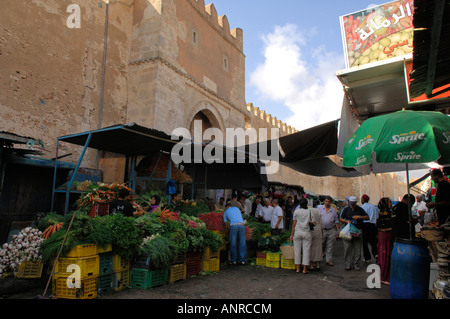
(355, 232)
(345, 233)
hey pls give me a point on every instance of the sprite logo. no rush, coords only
(364, 142)
(407, 156)
(407, 137)
(361, 160)
(446, 137)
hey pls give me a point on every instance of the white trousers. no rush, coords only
(302, 246)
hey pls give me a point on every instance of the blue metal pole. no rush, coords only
(54, 175)
(169, 175)
(69, 185)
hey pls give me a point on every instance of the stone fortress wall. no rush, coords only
(168, 62)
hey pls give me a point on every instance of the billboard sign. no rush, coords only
(378, 33)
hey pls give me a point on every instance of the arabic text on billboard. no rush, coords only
(378, 33)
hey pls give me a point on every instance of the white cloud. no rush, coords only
(300, 77)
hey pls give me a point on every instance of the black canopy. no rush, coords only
(307, 151)
(134, 140)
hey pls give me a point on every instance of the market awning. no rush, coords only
(307, 151)
(127, 139)
(135, 140)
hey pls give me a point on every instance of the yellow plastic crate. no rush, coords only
(215, 254)
(101, 249)
(273, 256)
(177, 272)
(260, 261)
(89, 266)
(206, 254)
(84, 250)
(214, 264)
(287, 263)
(121, 280)
(28, 269)
(204, 265)
(272, 264)
(87, 290)
(120, 263)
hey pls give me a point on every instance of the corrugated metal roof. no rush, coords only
(431, 57)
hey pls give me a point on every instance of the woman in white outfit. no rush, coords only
(301, 236)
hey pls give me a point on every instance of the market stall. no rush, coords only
(133, 140)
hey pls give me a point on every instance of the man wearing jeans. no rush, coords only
(233, 216)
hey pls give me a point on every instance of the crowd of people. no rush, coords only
(315, 227)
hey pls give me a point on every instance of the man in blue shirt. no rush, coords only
(236, 226)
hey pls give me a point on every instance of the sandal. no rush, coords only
(305, 272)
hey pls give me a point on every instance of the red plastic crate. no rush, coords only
(99, 209)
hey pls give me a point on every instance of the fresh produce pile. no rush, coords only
(101, 193)
(213, 220)
(162, 236)
(24, 247)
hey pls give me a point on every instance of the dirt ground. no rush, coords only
(257, 282)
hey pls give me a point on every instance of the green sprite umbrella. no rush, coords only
(400, 137)
(407, 137)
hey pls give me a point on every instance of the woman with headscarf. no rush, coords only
(385, 243)
(154, 204)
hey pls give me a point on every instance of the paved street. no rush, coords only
(257, 282)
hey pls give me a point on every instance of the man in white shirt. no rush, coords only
(265, 213)
(420, 207)
(277, 218)
(247, 205)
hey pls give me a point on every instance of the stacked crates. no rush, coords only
(83, 259)
(121, 272)
(193, 264)
(178, 269)
(106, 271)
(210, 261)
(273, 260)
(260, 258)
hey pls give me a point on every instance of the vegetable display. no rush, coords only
(160, 249)
(50, 230)
(24, 247)
(213, 220)
(101, 193)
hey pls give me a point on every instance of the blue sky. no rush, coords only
(293, 49)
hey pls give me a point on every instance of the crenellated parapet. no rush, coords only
(259, 118)
(220, 23)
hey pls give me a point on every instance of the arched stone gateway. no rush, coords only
(209, 117)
